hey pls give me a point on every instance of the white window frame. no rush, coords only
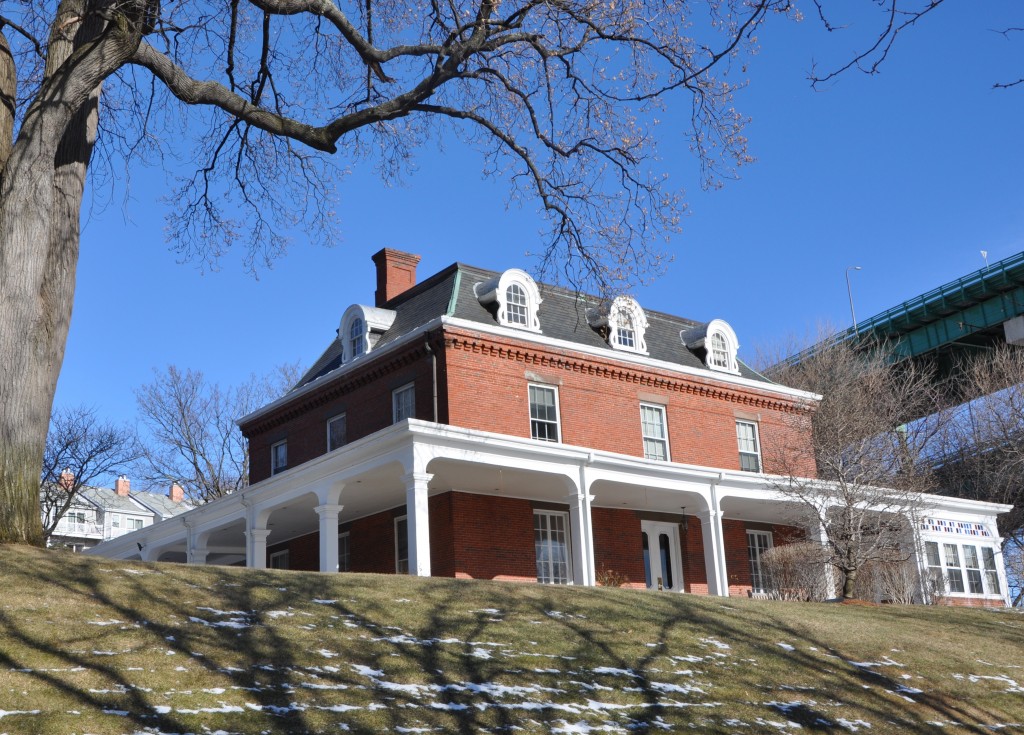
(330, 421)
(356, 337)
(495, 291)
(945, 571)
(626, 307)
(275, 467)
(398, 546)
(275, 559)
(135, 524)
(115, 520)
(557, 423)
(398, 396)
(549, 575)
(663, 440)
(754, 553)
(757, 445)
(347, 546)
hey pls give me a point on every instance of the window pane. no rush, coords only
(336, 431)
(974, 581)
(971, 557)
(952, 555)
(516, 305)
(647, 560)
(989, 556)
(666, 560)
(956, 580)
(552, 548)
(652, 424)
(356, 341)
(750, 452)
(992, 581)
(932, 551)
(404, 403)
(543, 413)
(625, 335)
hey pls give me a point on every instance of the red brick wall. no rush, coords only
(493, 537)
(599, 399)
(617, 544)
(695, 571)
(365, 399)
(737, 559)
(972, 602)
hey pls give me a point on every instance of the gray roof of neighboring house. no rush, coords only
(562, 314)
(107, 499)
(161, 504)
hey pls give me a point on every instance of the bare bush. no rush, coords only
(798, 571)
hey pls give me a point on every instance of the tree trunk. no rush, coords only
(40, 206)
(850, 584)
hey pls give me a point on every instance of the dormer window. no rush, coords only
(361, 327)
(623, 324)
(356, 338)
(513, 298)
(715, 343)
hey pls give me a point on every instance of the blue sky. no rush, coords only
(908, 174)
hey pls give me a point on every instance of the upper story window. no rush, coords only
(623, 324)
(361, 327)
(403, 403)
(749, 446)
(544, 413)
(514, 299)
(715, 343)
(336, 431)
(279, 457)
(655, 431)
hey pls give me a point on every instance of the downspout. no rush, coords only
(433, 371)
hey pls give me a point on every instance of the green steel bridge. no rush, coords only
(976, 312)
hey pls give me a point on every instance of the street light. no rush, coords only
(849, 292)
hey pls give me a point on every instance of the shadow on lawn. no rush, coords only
(583, 628)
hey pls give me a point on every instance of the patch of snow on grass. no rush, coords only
(7, 713)
(481, 653)
(786, 646)
(716, 643)
(324, 602)
(615, 672)
(280, 614)
(853, 725)
(105, 622)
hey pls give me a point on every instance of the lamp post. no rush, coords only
(849, 292)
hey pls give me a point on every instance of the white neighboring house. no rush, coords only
(100, 514)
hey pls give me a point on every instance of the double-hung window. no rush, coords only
(517, 306)
(544, 413)
(655, 431)
(749, 446)
(336, 429)
(551, 541)
(279, 457)
(403, 403)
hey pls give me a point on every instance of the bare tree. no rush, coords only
(560, 97)
(983, 446)
(872, 463)
(80, 449)
(192, 436)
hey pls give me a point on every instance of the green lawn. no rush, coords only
(94, 646)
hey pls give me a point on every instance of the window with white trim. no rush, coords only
(402, 545)
(344, 555)
(279, 560)
(517, 306)
(513, 297)
(655, 431)
(544, 413)
(716, 344)
(758, 542)
(718, 351)
(403, 403)
(625, 334)
(279, 457)
(115, 520)
(336, 430)
(961, 570)
(356, 338)
(134, 524)
(551, 542)
(749, 446)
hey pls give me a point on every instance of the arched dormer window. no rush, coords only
(715, 343)
(360, 328)
(513, 298)
(624, 324)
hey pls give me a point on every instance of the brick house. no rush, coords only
(478, 424)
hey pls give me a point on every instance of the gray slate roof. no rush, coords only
(562, 314)
(108, 500)
(161, 504)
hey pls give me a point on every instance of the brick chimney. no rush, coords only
(176, 494)
(122, 486)
(396, 273)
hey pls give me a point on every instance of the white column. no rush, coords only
(830, 571)
(418, 522)
(328, 536)
(581, 539)
(197, 555)
(714, 551)
(256, 548)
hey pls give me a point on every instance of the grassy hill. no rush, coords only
(93, 646)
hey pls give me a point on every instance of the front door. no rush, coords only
(663, 569)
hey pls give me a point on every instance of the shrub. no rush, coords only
(610, 578)
(797, 571)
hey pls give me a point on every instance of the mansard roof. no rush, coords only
(563, 317)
